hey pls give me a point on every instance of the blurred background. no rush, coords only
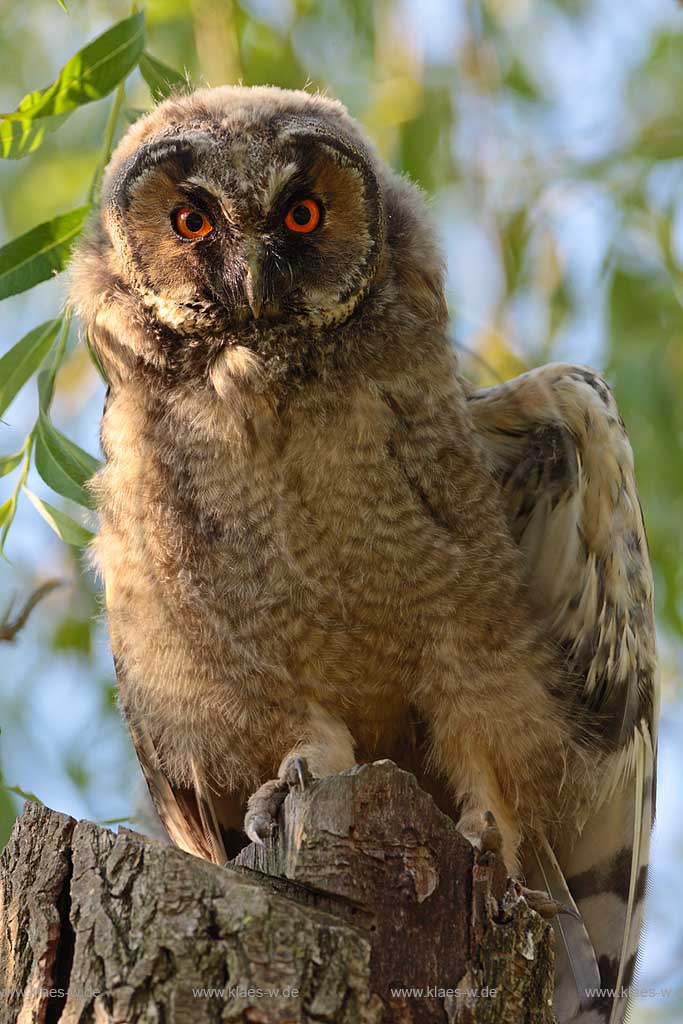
(550, 138)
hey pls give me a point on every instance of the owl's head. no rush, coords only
(247, 217)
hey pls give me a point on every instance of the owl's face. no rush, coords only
(253, 218)
(248, 220)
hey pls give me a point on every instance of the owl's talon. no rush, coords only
(482, 831)
(295, 770)
(256, 828)
(263, 806)
(262, 809)
(491, 838)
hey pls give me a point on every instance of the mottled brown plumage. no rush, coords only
(317, 540)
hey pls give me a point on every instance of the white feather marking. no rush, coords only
(209, 186)
(640, 749)
(278, 176)
(625, 762)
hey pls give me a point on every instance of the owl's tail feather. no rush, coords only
(642, 823)
(607, 873)
(576, 969)
(209, 819)
(602, 872)
(187, 813)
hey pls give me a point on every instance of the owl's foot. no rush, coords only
(481, 829)
(263, 806)
(545, 904)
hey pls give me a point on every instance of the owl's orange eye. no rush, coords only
(303, 216)
(191, 223)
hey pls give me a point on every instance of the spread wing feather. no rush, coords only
(558, 448)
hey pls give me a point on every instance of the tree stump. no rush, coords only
(367, 906)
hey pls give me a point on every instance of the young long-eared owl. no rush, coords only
(321, 546)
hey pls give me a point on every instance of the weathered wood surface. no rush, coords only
(367, 889)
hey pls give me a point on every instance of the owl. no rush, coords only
(322, 546)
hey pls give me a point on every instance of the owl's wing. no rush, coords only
(557, 445)
(187, 814)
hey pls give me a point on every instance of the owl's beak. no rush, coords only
(252, 281)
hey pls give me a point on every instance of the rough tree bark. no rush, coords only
(366, 889)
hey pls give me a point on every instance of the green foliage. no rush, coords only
(40, 253)
(7, 815)
(23, 360)
(648, 321)
(160, 78)
(64, 466)
(9, 462)
(66, 528)
(23, 793)
(21, 135)
(90, 75)
(424, 148)
(73, 634)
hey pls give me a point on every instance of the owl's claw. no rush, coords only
(263, 806)
(262, 810)
(491, 837)
(481, 828)
(258, 827)
(294, 770)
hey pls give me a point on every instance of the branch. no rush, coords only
(10, 627)
(367, 891)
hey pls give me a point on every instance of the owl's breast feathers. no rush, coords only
(557, 446)
(298, 553)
